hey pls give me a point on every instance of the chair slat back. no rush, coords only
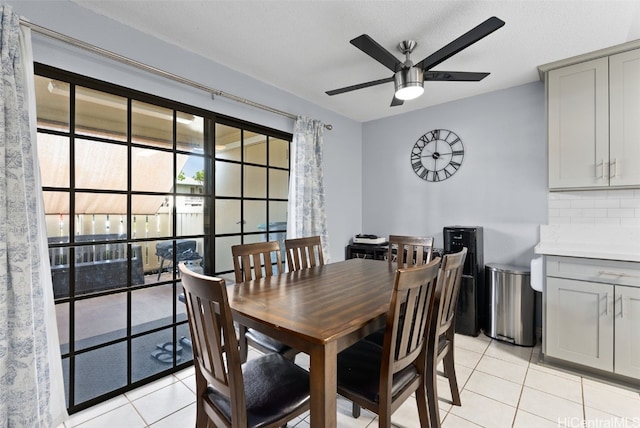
(255, 261)
(303, 253)
(215, 346)
(408, 315)
(410, 250)
(447, 290)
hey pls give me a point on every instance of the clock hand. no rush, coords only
(436, 155)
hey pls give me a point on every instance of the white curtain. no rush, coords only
(31, 385)
(306, 214)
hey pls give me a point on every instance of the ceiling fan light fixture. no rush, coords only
(409, 83)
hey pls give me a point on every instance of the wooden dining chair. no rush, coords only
(303, 253)
(410, 250)
(381, 378)
(266, 391)
(415, 249)
(441, 335)
(254, 261)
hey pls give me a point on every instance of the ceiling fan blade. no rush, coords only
(369, 46)
(396, 102)
(359, 86)
(467, 39)
(454, 76)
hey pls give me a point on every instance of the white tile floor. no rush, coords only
(501, 386)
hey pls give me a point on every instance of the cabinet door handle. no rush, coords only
(606, 304)
(619, 274)
(621, 307)
(613, 166)
(601, 164)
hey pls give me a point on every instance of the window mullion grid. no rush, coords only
(266, 205)
(129, 251)
(242, 180)
(210, 230)
(174, 284)
(71, 250)
(210, 202)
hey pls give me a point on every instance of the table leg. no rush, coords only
(323, 374)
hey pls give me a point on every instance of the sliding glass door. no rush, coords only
(134, 184)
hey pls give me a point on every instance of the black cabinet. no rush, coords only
(366, 251)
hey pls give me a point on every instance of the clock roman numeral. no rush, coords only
(416, 165)
(435, 134)
(424, 174)
(424, 139)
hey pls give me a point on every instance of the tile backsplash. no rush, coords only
(612, 207)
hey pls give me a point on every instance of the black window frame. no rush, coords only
(209, 233)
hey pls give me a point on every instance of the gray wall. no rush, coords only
(342, 149)
(501, 185)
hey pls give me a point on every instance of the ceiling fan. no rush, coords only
(409, 77)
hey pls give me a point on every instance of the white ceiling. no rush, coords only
(303, 46)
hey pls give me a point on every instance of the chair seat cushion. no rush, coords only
(359, 371)
(268, 343)
(274, 387)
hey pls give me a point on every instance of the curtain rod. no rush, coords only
(114, 56)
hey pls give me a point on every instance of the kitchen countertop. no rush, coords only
(590, 241)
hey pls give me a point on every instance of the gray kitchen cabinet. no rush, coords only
(624, 126)
(592, 313)
(627, 328)
(578, 124)
(593, 131)
(579, 325)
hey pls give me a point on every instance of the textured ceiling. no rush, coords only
(303, 46)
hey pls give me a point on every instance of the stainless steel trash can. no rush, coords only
(510, 301)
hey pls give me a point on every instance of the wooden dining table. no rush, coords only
(319, 311)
